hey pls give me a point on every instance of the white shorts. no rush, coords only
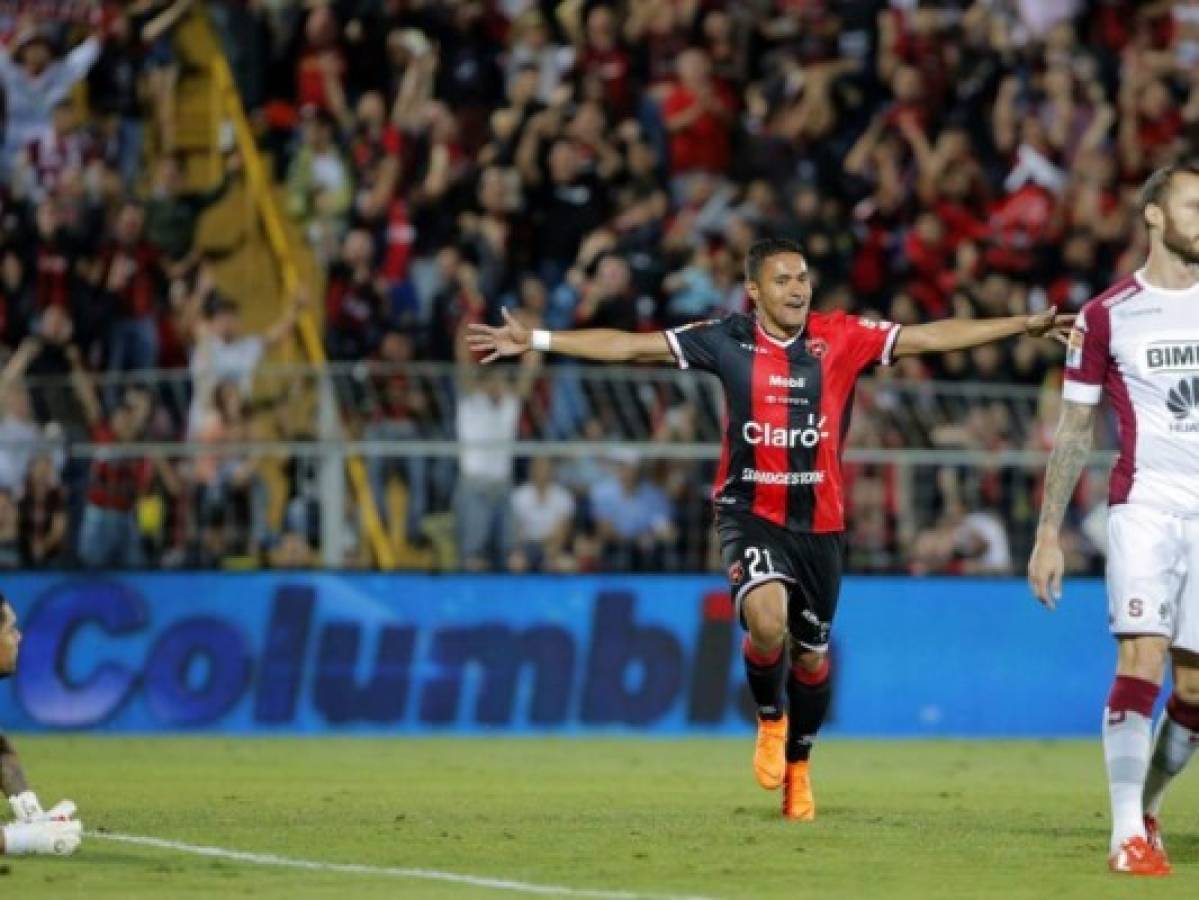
(1153, 574)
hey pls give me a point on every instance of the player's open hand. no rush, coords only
(1051, 324)
(1045, 569)
(510, 339)
(26, 808)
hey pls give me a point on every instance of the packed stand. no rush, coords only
(596, 164)
(101, 280)
(592, 164)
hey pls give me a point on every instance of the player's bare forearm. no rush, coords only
(957, 334)
(609, 345)
(1071, 450)
(962, 334)
(12, 777)
(514, 338)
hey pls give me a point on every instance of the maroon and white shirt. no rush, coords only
(50, 154)
(788, 406)
(1139, 345)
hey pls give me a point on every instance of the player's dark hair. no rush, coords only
(760, 251)
(1157, 185)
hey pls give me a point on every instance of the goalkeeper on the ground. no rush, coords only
(52, 831)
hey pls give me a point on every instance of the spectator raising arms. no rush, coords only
(222, 353)
(34, 82)
(488, 420)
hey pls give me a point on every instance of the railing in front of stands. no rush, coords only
(932, 469)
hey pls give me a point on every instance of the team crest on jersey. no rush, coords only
(817, 347)
(1074, 349)
(736, 572)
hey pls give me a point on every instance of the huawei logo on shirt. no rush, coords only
(1183, 399)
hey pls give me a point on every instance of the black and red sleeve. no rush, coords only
(697, 346)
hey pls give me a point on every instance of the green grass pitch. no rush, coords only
(896, 819)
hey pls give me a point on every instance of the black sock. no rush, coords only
(764, 673)
(808, 695)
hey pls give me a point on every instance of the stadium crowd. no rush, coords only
(583, 164)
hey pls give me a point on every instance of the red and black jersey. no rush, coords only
(788, 406)
(115, 484)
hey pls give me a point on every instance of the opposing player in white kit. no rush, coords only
(1138, 344)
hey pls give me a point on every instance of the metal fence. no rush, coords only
(941, 477)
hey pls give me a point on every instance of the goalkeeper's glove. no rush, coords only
(26, 808)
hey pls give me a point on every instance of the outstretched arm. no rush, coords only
(76, 65)
(1071, 448)
(14, 369)
(961, 334)
(84, 389)
(165, 20)
(599, 344)
(283, 327)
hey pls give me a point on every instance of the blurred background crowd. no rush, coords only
(584, 164)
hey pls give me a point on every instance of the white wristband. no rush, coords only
(540, 339)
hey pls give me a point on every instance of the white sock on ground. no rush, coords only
(1127, 741)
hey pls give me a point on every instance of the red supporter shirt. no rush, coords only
(366, 150)
(52, 271)
(310, 78)
(614, 72)
(115, 484)
(136, 296)
(703, 146)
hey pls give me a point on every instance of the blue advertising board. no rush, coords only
(414, 654)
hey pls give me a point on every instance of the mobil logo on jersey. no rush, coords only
(765, 434)
(787, 381)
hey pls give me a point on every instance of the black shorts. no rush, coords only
(756, 551)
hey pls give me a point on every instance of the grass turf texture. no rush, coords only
(895, 819)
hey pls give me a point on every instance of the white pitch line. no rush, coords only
(287, 862)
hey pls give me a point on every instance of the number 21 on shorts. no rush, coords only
(759, 562)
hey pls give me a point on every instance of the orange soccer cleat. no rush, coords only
(798, 802)
(770, 752)
(1137, 857)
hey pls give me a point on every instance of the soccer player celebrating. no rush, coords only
(52, 832)
(788, 375)
(1138, 343)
